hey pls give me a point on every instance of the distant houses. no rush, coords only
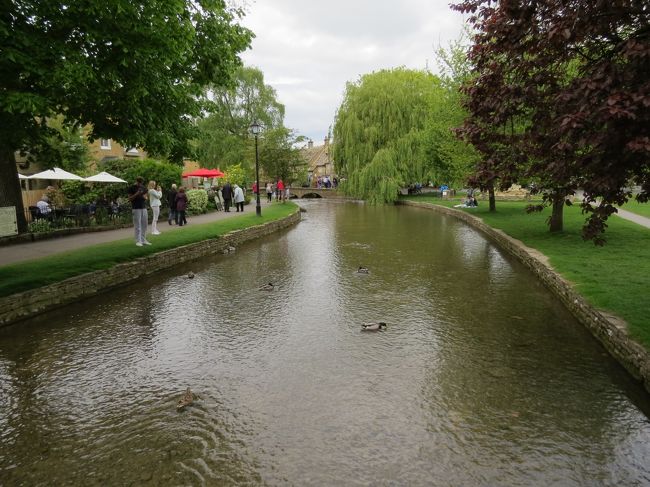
(319, 161)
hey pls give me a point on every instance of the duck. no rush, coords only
(190, 275)
(267, 287)
(374, 326)
(363, 270)
(186, 400)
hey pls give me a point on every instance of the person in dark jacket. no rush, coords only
(181, 206)
(226, 192)
(171, 200)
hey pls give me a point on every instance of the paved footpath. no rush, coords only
(32, 250)
(633, 217)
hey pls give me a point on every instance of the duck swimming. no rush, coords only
(363, 270)
(374, 326)
(190, 275)
(186, 400)
(268, 287)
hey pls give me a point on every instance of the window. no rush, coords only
(105, 144)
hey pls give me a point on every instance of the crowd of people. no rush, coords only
(224, 197)
(324, 182)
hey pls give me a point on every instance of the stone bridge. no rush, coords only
(297, 192)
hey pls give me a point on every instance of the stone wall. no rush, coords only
(609, 330)
(30, 303)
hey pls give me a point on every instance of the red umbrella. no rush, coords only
(204, 173)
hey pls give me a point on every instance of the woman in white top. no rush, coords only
(155, 194)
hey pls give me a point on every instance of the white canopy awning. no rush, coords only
(22, 176)
(56, 173)
(104, 177)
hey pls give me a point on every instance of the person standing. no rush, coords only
(218, 198)
(226, 192)
(269, 191)
(181, 206)
(239, 198)
(155, 194)
(137, 196)
(280, 189)
(171, 200)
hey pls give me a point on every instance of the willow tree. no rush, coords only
(380, 132)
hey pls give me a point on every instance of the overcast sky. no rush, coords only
(308, 50)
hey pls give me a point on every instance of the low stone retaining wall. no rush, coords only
(609, 330)
(30, 303)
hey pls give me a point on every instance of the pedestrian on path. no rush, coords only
(181, 206)
(137, 195)
(171, 201)
(226, 192)
(239, 198)
(269, 191)
(155, 194)
(280, 189)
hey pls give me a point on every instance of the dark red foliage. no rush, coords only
(562, 95)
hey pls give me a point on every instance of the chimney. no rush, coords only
(310, 144)
(327, 140)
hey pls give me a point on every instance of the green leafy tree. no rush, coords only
(236, 174)
(280, 157)
(134, 71)
(224, 137)
(63, 146)
(380, 132)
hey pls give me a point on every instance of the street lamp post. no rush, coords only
(255, 129)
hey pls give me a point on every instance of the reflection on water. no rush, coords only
(481, 378)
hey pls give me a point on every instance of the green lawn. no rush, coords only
(615, 277)
(642, 209)
(32, 274)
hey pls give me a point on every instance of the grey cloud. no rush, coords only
(309, 50)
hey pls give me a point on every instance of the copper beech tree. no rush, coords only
(561, 96)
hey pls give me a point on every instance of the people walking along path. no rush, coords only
(33, 250)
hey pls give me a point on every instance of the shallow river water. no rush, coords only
(481, 378)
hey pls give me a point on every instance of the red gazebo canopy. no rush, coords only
(204, 173)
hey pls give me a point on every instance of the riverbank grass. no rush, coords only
(33, 274)
(613, 277)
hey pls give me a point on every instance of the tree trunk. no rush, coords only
(10, 191)
(556, 222)
(492, 198)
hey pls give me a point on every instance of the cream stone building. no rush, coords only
(319, 161)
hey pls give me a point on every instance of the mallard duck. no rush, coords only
(186, 400)
(374, 326)
(190, 275)
(268, 287)
(363, 270)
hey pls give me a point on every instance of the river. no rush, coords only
(481, 378)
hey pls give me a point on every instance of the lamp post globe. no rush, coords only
(255, 129)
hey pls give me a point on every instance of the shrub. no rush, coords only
(40, 226)
(197, 201)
